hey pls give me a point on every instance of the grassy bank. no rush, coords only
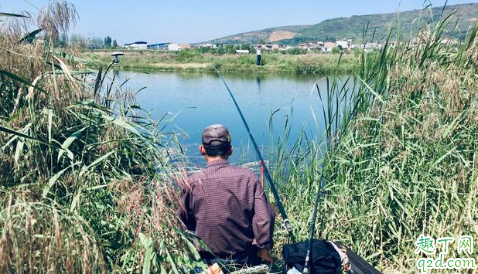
(192, 60)
(88, 183)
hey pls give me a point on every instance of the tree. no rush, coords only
(77, 40)
(336, 50)
(245, 47)
(107, 42)
(61, 41)
(229, 49)
(115, 44)
(95, 43)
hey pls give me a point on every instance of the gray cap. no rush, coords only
(215, 137)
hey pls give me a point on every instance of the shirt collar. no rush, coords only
(220, 162)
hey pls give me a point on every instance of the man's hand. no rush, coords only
(265, 255)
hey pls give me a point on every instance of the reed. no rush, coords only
(80, 191)
(88, 183)
(402, 149)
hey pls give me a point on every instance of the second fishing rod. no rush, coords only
(286, 223)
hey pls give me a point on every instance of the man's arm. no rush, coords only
(184, 212)
(263, 219)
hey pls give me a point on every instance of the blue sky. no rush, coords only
(187, 21)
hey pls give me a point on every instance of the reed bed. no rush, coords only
(402, 149)
(88, 184)
(80, 190)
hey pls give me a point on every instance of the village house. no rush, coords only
(344, 43)
(303, 46)
(242, 51)
(357, 46)
(270, 47)
(177, 47)
(310, 45)
(206, 45)
(139, 45)
(285, 48)
(158, 46)
(328, 46)
(373, 46)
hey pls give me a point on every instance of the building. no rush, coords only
(285, 48)
(344, 43)
(311, 45)
(177, 47)
(139, 45)
(242, 51)
(357, 46)
(158, 46)
(372, 46)
(206, 45)
(328, 46)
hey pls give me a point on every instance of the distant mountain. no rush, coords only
(262, 36)
(464, 16)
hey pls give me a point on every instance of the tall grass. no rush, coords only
(402, 149)
(273, 62)
(79, 187)
(87, 184)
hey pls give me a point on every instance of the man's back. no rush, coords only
(228, 210)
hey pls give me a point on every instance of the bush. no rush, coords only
(188, 56)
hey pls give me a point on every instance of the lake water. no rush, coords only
(201, 99)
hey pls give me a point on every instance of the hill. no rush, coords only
(464, 16)
(265, 35)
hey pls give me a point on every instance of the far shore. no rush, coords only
(191, 60)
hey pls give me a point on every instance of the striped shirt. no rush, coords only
(227, 208)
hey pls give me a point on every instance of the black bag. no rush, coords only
(324, 259)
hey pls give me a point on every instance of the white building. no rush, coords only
(206, 45)
(173, 47)
(139, 45)
(242, 51)
(160, 46)
(328, 46)
(344, 43)
(357, 46)
(373, 46)
(176, 47)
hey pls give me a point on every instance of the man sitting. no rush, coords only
(226, 206)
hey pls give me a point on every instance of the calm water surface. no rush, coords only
(200, 99)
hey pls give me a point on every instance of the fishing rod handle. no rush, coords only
(306, 266)
(287, 226)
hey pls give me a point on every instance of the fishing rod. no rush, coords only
(314, 218)
(286, 223)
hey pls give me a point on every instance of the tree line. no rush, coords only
(80, 41)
